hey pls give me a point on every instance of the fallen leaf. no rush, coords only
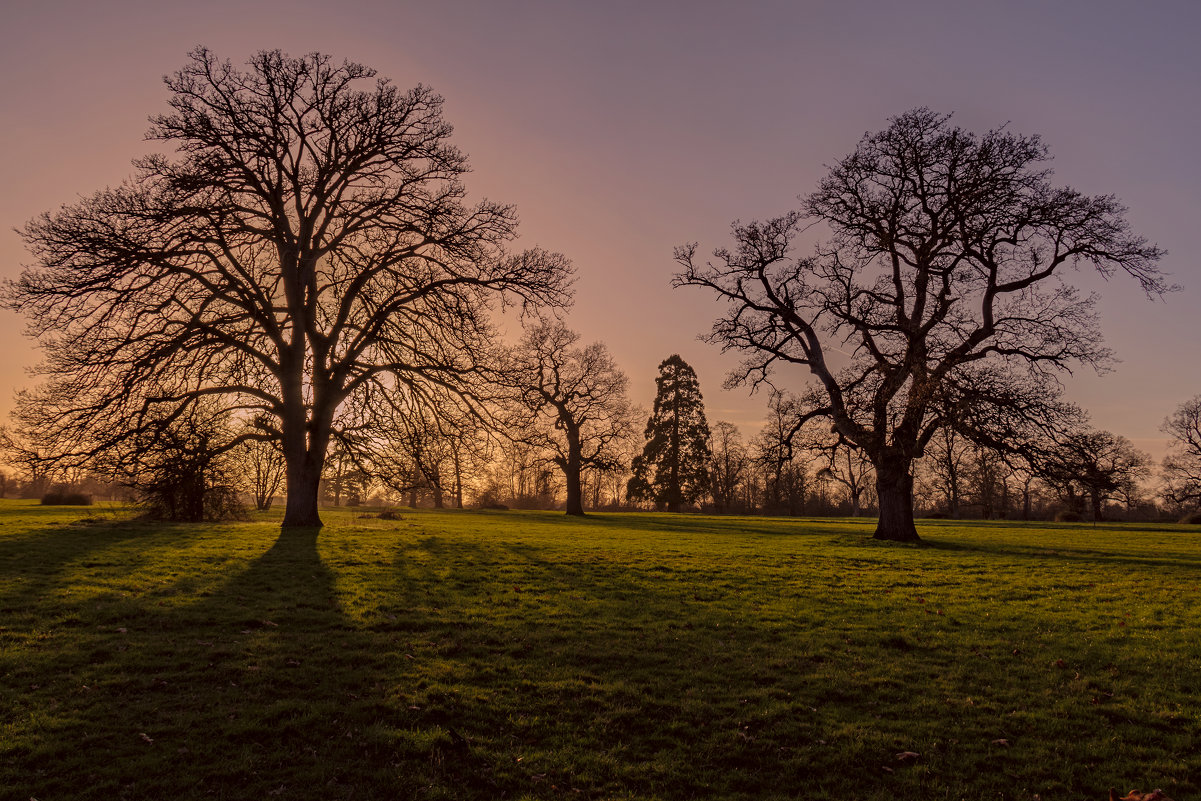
(1002, 742)
(146, 737)
(906, 756)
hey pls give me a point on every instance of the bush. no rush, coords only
(1193, 519)
(1068, 517)
(389, 514)
(66, 499)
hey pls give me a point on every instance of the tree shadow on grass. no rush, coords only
(259, 688)
(734, 525)
(1057, 552)
(34, 564)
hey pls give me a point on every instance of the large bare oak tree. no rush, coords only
(307, 239)
(940, 296)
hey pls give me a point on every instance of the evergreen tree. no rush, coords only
(672, 469)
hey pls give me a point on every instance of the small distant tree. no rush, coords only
(672, 469)
(946, 462)
(728, 465)
(1094, 466)
(182, 469)
(781, 457)
(848, 467)
(263, 469)
(941, 282)
(574, 402)
(1182, 465)
(423, 439)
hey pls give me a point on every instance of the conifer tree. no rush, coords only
(672, 468)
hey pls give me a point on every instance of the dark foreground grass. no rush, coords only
(526, 655)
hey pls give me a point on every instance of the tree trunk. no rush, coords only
(571, 472)
(301, 510)
(894, 486)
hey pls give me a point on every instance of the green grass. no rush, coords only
(475, 655)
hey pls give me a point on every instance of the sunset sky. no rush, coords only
(623, 129)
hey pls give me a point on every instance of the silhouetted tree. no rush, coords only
(263, 470)
(1094, 466)
(574, 401)
(847, 466)
(673, 467)
(422, 441)
(1182, 465)
(182, 467)
(308, 241)
(781, 457)
(942, 280)
(946, 458)
(728, 465)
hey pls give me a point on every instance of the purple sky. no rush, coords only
(622, 129)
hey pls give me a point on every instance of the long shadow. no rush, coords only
(261, 684)
(740, 525)
(33, 564)
(1058, 552)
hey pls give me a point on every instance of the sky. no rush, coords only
(623, 129)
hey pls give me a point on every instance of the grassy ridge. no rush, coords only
(489, 655)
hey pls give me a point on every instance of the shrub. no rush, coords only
(66, 499)
(1068, 517)
(1193, 519)
(389, 514)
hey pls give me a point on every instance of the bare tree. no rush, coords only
(308, 240)
(178, 466)
(727, 465)
(944, 276)
(422, 441)
(848, 466)
(782, 457)
(1182, 465)
(263, 470)
(575, 401)
(1094, 466)
(945, 458)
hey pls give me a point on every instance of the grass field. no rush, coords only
(481, 655)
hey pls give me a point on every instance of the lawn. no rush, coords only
(482, 655)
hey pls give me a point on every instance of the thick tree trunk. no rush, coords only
(301, 510)
(571, 472)
(894, 486)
